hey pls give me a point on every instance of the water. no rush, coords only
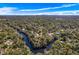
(30, 44)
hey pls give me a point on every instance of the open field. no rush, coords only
(40, 30)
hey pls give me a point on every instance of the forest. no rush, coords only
(39, 35)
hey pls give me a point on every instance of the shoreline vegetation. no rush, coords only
(41, 30)
(28, 42)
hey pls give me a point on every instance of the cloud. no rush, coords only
(13, 11)
(71, 12)
(16, 11)
(69, 5)
(7, 10)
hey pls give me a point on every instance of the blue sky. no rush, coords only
(39, 8)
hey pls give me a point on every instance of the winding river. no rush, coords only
(28, 42)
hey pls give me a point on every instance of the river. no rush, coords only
(29, 43)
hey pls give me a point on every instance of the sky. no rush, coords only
(39, 8)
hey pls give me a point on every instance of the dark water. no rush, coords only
(30, 44)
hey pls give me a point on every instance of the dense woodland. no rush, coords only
(41, 30)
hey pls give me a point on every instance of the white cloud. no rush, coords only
(69, 5)
(71, 12)
(7, 10)
(16, 11)
(12, 11)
